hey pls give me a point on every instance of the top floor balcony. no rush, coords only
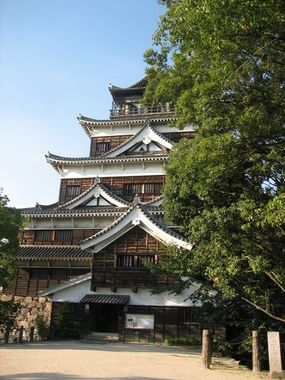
(133, 110)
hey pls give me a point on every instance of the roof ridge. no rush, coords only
(102, 187)
(110, 225)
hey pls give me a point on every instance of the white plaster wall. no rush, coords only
(78, 222)
(106, 131)
(142, 297)
(114, 170)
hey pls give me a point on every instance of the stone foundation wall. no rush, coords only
(31, 307)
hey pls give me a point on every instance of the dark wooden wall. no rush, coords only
(28, 281)
(115, 184)
(30, 237)
(112, 142)
(135, 243)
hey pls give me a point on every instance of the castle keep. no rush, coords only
(89, 251)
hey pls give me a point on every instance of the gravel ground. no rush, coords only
(112, 361)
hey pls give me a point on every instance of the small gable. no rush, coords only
(96, 196)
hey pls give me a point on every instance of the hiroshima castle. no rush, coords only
(87, 256)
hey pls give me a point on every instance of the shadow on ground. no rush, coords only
(108, 347)
(61, 376)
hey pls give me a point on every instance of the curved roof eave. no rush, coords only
(136, 215)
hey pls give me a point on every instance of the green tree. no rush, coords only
(221, 63)
(10, 222)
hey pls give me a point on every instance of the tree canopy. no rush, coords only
(221, 64)
(10, 222)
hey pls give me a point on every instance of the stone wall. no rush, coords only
(31, 307)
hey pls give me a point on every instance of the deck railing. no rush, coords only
(118, 112)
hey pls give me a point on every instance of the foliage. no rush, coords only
(187, 341)
(64, 326)
(221, 63)
(42, 326)
(9, 310)
(10, 222)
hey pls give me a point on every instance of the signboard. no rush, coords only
(274, 353)
(139, 321)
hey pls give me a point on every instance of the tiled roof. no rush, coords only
(48, 252)
(140, 85)
(38, 208)
(52, 158)
(90, 211)
(161, 224)
(106, 299)
(140, 119)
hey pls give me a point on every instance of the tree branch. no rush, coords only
(275, 279)
(264, 311)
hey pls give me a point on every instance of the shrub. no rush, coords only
(187, 341)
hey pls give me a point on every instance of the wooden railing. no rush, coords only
(118, 112)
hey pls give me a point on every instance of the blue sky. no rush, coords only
(57, 58)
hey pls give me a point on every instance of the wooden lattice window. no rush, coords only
(132, 188)
(102, 146)
(141, 260)
(63, 235)
(72, 190)
(43, 235)
(152, 188)
(133, 261)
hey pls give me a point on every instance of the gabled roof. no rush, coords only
(145, 136)
(96, 191)
(51, 252)
(137, 215)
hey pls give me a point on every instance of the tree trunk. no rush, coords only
(256, 365)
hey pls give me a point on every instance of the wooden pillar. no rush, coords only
(256, 362)
(206, 349)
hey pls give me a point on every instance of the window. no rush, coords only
(142, 188)
(102, 146)
(131, 261)
(132, 188)
(43, 235)
(72, 190)
(141, 260)
(125, 261)
(63, 235)
(152, 188)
